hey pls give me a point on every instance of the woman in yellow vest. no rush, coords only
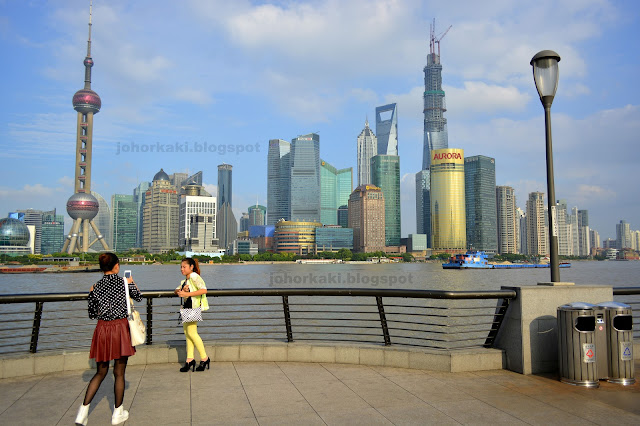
(194, 293)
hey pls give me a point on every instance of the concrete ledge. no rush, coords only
(321, 352)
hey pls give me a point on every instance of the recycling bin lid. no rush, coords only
(578, 306)
(614, 305)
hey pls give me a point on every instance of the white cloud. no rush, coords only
(477, 97)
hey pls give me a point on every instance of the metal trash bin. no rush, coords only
(577, 344)
(619, 325)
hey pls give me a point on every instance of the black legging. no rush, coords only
(119, 367)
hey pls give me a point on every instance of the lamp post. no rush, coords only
(545, 75)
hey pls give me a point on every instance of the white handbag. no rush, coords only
(137, 328)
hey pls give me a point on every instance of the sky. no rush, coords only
(232, 75)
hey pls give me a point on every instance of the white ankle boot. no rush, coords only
(83, 415)
(119, 415)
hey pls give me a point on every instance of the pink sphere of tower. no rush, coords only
(82, 205)
(86, 101)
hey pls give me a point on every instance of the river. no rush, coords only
(427, 276)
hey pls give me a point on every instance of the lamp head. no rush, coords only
(545, 73)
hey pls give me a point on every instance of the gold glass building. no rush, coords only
(448, 220)
(295, 237)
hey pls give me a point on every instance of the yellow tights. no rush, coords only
(193, 339)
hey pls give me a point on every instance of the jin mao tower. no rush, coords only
(82, 206)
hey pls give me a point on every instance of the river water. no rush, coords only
(426, 276)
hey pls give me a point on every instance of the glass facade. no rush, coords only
(305, 178)
(336, 186)
(13, 233)
(385, 171)
(52, 233)
(295, 237)
(448, 224)
(257, 215)
(124, 213)
(190, 206)
(334, 239)
(278, 181)
(102, 221)
(423, 205)
(480, 203)
(387, 129)
(367, 148)
(435, 125)
(343, 216)
(139, 193)
(226, 224)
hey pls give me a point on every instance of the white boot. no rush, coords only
(119, 415)
(83, 415)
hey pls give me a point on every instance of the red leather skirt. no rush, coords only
(111, 340)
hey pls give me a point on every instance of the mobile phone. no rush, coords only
(127, 274)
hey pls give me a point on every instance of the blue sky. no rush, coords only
(242, 72)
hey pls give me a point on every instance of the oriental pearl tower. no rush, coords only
(82, 206)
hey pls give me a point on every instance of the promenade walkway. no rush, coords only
(282, 393)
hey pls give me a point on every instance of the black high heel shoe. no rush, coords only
(189, 365)
(204, 364)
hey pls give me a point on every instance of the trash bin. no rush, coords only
(577, 344)
(619, 325)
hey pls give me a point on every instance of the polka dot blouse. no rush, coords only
(107, 300)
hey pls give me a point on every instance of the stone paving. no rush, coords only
(289, 393)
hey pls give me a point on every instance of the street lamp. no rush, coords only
(545, 75)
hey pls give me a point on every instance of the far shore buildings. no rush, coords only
(480, 203)
(507, 220)
(161, 215)
(367, 218)
(536, 225)
(226, 223)
(448, 223)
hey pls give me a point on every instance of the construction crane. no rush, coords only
(436, 39)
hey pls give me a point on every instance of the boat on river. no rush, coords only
(479, 260)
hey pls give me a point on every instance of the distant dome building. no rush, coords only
(15, 237)
(161, 175)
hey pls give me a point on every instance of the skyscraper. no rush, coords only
(507, 220)
(448, 223)
(536, 225)
(82, 206)
(102, 221)
(160, 216)
(139, 193)
(366, 218)
(257, 215)
(52, 232)
(435, 125)
(34, 218)
(623, 235)
(423, 204)
(480, 203)
(336, 186)
(367, 148)
(304, 178)
(193, 202)
(385, 174)
(278, 181)
(124, 221)
(435, 133)
(226, 223)
(387, 129)
(584, 233)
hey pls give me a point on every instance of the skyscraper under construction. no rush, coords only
(435, 131)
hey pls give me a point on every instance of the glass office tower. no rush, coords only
(124, 221)
(423, 205)
(52, 232)
(448, 224)
(336, 188)
(480, 203)
(387, 129)
(278, 181)
(305, 178)
(226, 223)
(385, 174)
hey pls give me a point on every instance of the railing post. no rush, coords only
(35, 331)
(383, 321)
(287, 318)
(501, 309)
(149, 320)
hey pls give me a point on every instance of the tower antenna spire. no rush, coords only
(89, 40)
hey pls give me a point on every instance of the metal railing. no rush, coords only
(443, 320)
